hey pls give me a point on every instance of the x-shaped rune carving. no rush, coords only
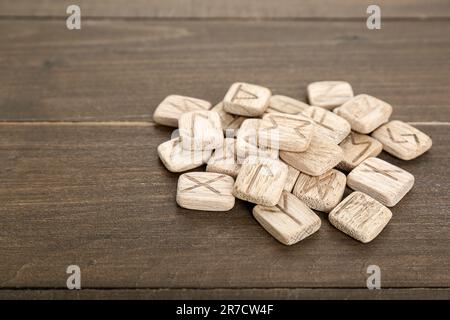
(385, 172)
(206, 184)
(392, 137)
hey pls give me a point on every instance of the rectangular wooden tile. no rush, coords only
(172, 107)
(381, 180)
(246, 99)
(328, 124)
(360, 216)
(329, 94)
(357, 148)
(290, 221)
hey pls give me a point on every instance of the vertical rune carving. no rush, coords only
(255, 175)
(321, 121)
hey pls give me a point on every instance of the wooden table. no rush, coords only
(81, 182)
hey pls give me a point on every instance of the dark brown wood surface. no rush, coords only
(279, 9)
(81, 182)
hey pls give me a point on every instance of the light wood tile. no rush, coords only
(260, 180)
(323, 192)
(357, 148)
(230, 122)
(365, 113)
(177, 159)
(284, 104)
(172, 107)
(381, 180)
(246, 99)
(329, 94)
(287, 132)
(360, 216)
(206, 191)
(224, 159)
(402, 140)
(247, 141)
(290, 221)
(200, 130)
(291, 178)
(328, 124)
(321, 156)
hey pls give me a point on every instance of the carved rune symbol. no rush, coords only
(206, 184)
(322, 184)
(265, 171)
(242, 94)
(367, 145)
(284, 203)
(356, 203)
(385, 173)
(297, 129)
(392, 137)
(187, 105)
(321, 119)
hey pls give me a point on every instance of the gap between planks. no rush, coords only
(143, 123)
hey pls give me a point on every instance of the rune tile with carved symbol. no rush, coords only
(402, 140)
(381, 180)
(260, 180)
(360, 216)
(288, 132)
(230, 122)
(290, 221)
(224, 159)
(246, 99)
(172, 107)
(357, 148)
(206, 191)
(323, 192)
(321, 156)
(328, 124)
(247, 142)
(200, 130)
(365, 113)
(329, 94)
(177, 159)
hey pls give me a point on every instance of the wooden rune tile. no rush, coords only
(172, 107)
(206, 191)
(290, 221)
(291, 178)
(246, 99)
(329, 94)
(260, 180)
(177, 159)
(402, 140)
(247, 142)
(200, 130)
(224, 159)
(328, 124)
(381, 180)
(323, 192)
(360, 216)
(357, 148)
(286, 131)
(365, 113)
(321, 156)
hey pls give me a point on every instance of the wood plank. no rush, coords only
(97, 196)
(120, 70)
(218, 294)
(227, 9)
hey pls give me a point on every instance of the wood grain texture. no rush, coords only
(99, 197)
(121, 70)
(227, 9)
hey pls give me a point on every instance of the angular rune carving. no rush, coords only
(206, 184)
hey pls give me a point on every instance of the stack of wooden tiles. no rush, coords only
(292, 159)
